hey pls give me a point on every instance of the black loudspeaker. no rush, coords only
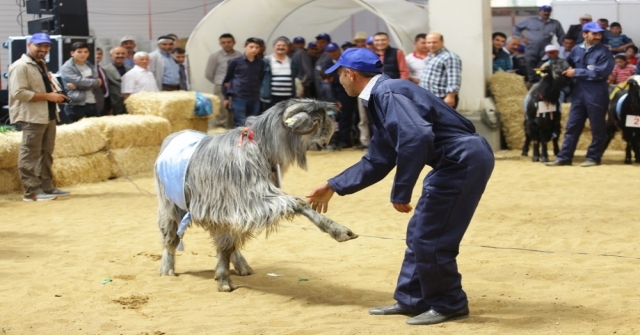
(39, 6)
(69, 18)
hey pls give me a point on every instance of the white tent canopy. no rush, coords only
(268, 19)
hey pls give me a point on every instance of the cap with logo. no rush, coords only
(331, 47)
(593, 27)
(545, 8)
(40, 38)
(323, 36)
(360, 59)
(298, 39)
(311, 45)
(369, 40)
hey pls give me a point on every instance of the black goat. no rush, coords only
(542, 110)
(624, 114)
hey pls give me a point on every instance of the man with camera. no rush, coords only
(82, 83)
(32, 104)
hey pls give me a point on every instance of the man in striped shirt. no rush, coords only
(442, 71)
(279, 75)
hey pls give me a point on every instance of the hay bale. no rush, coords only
(10, 180)
(9, 149)
(129, 161)
(175, 105)
(123, 131)
(199, 124)
(509, 91)
(91, 168)
(79, 139)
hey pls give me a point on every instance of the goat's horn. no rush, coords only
(315, 126)
(291, 110)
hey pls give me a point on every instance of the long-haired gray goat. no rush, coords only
(228, 183)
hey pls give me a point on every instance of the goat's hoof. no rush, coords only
(545, 159)
(245, 271)
(341, 233)
(628, 161)
(535, 158)
(167, 272)
(225, 285)
(524, 154)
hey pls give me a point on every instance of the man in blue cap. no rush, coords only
(414, 128)
(592, 64)
(540, 33)
(32, 99)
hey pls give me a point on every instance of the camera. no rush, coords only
(67, 100)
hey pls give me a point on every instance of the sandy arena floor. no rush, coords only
(550, 250)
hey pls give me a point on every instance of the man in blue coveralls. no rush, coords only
(592, 64)
(414, 128)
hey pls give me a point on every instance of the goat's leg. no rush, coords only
(339, 232)
(170, 240)
(240, 264)
(525, 147)
(536, 151)
(545, 153)
(627, 153)
(225, 247)
(556, 147)
(635, 146)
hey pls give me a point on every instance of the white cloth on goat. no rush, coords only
(171, 169)
(619, 106)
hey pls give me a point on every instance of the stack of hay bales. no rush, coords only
(177, 107)
(80, 154)
(133, 142)
(9, 149)
(509, 92)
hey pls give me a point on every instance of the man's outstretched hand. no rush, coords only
(319, 198)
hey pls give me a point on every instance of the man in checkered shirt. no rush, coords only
(442, 71)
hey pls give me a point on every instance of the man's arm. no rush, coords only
(19, 88)
(212, 64)
(559, 33)
(227, 78)
(402, 65)
(69, 75)
(519, 27)
(603, 67)
(453, 68)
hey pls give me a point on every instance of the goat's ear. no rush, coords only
(299, 123)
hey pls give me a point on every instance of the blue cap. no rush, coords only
(323, 36)
(311, 45)
(545, 8)
(40, 38)
(331, 47)
(593, 27)
(298, 39)
(360, 59)
(347, 44)
(369, 40)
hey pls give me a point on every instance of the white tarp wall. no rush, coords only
(268, 19)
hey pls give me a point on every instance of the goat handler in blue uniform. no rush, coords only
(592, 64)
(414, 128)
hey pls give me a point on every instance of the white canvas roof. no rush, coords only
(269, 19)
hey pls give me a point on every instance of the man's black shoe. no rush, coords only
(391, 310)
(557, 163)
(431, 317)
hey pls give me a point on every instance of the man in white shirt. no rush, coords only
(415, 60)
(139, 79)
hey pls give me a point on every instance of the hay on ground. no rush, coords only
(124, 131)
(199, 124)
(79, 139)
(9, 149)
(91, 168)
(176, 105)
(9, 180)
(129, 161)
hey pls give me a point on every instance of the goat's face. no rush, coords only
(308, 118)
(634, 85)
(554, 70)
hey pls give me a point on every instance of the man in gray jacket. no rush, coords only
(82, 83)
(32, 105)
(540, 30)
(114, 72)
